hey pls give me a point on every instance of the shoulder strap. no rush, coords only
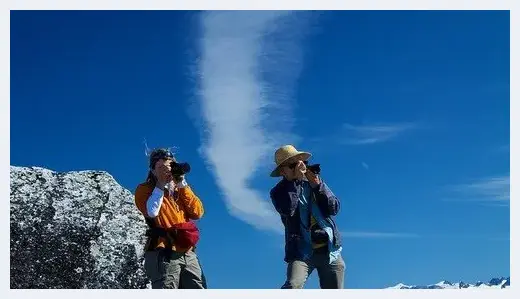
(153, 232)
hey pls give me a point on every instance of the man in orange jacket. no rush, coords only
(168, 205)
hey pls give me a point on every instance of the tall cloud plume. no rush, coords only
(248, 66)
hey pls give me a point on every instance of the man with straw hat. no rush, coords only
(306, 206)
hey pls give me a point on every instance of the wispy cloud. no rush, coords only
(377, 235)
(249, 64)
(493, 190)
(402, 235)
(446, 237)
(365, 165)
(375, 133)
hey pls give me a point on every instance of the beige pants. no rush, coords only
(331, 276)
(177, 271)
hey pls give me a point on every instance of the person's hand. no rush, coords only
(299, 170)
(313, 178)
(163, 173)
(179, 181)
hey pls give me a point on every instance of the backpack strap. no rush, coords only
(154, 232)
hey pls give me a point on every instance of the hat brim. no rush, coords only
(304, 156)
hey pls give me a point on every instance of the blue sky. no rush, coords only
(408, 113)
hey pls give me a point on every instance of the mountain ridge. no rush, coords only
(494, 283)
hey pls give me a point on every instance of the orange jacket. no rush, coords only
(185, 206)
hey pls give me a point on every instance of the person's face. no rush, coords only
(287, 170)
(162, 170)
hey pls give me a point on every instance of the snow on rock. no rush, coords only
(495, 283)
(74, 230)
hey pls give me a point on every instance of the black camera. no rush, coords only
(315, 168)
(179, 169)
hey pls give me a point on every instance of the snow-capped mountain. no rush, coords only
(495, 283)
(74, 230)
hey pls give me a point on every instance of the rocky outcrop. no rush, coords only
(74, 230)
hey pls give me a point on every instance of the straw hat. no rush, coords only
(285, 153)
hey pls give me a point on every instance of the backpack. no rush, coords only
(184, 235)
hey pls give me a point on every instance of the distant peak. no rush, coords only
(494, 283)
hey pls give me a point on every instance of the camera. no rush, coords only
(315, 168)
(179, 169)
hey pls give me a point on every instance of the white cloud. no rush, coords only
(494, 190)
(376, 133)
(378, 235)
(249, 64)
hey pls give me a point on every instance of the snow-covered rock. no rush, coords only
(74, 230)
(495, 283)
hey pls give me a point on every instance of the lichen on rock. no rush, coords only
(74, 230)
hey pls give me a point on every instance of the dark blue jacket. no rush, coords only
(287, 206)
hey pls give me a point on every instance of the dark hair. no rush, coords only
(158, 154)
(151, 179)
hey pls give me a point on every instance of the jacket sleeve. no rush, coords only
(154, 202)
(192, 204)
(148, 200)
(327, 202)
(283, 203)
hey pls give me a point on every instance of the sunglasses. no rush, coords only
(293, 165)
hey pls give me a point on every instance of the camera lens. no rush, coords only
(179, 169)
